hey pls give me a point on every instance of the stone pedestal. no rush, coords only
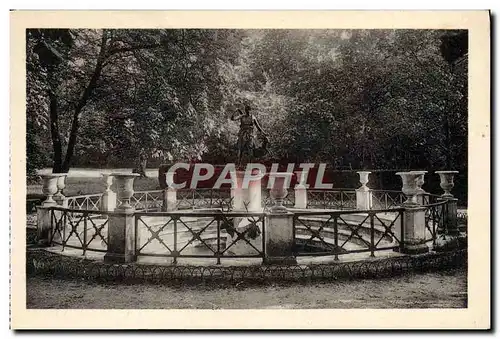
(121, 237)
(108, 199)
(169, 194)
(414, 230)
(450, 220)
(44, 224)
(300, 197)
(246, 197)
(279, 239)
(121, 224)
(301, 190)
(364, 199)
(169, 200)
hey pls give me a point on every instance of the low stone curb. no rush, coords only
(45, 263)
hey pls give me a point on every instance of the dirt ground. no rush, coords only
(430, 290)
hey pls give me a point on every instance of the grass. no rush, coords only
(430, 290)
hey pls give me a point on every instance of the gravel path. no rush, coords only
(430, 290)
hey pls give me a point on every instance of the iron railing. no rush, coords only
(203, 198)
(79, 229)
(435, 215)
(147, 200)
(386, 199)
(214, 234)
(330, 232)
(85, 202)
(331, 199)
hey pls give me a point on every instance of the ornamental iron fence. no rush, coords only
(200, 235)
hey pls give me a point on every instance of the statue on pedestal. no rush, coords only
(248, 149)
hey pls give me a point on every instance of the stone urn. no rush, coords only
(50, 186)
(108, 181)
(61, 184)
(125, 188)
(363, 179)
(447, 182)
(108, 200)
(279, 190)
(409, 186)
(420, 181)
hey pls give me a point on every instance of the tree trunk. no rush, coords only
(54, 132)
(82, 102)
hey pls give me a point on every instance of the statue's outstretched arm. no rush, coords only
(259, 128)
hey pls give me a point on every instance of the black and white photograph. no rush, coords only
(252, 168)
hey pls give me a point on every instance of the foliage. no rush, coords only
(355, 98)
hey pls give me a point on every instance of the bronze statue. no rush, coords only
(246, 140)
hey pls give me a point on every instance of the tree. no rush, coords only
(140, 81)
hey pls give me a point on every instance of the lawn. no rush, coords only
(430, 290)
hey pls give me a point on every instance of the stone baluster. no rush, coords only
(121, 224)
(364, 193)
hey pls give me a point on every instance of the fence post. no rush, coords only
(301, 190)
(449, 233)
(364, 198)
(108, 199)
(279, 239)
(450, 221)
(414, 229)
(169, 194)
(121, 224)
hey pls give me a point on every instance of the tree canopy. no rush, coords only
(357, 98)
